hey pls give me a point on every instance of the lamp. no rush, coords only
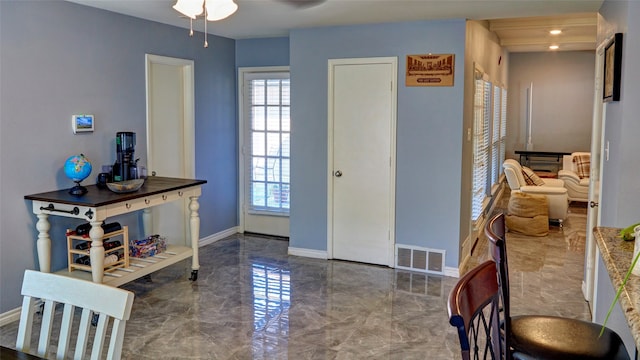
(189, 8)
(220, 9)
(214, 10)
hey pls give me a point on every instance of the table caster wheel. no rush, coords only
(194, 275)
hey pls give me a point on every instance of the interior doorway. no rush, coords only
(593, 209)
(361, 143)
(170, 136)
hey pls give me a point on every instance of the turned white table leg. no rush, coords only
(96, 253)
(43, 244)
(194, 227)
(147, 225)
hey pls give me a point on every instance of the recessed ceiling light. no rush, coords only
(554, 47)
(555, 32)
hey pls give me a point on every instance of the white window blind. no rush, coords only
(481, 135)
(503, 131)
(269, 143)
(495, 136)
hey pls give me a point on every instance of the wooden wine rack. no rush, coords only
(73, 240)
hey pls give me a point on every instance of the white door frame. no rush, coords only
(188, 161)
(330, 122)
(188, 110)
(595, 183)
(242, 196)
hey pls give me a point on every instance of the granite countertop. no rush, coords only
(617, 255)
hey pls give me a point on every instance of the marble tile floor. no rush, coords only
(253, 301)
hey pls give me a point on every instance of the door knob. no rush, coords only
(338, 173)
(593, 204)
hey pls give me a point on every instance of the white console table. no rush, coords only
(99, 204)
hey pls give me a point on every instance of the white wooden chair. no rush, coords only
(105, 301)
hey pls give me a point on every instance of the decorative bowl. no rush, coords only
(127, 186)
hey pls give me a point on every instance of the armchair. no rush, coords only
(553, 189)
(575, 174)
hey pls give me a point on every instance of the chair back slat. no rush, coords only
(113, 306)
(98, 341)
(115, 345)
(474, 310)
(26, 323)
(46, 327)
(495, 230)
(65, 330)
(83, 333)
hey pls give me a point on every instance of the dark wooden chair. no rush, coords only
(546, 337)
(474, 310)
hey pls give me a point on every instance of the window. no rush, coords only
(269, 142)
(489, 142)
(503, 131)
(496, 165)
(481, 121)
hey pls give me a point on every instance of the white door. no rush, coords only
(593, 210)
(265, 133)
(361, 196)
(170, 137)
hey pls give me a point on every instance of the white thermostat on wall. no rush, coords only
(82, 123)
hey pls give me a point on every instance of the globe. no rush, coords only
(77, 168)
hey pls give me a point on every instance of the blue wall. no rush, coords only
(620, 181)
(51, 70)
(429, 131)
(262, 52)
(59, 59)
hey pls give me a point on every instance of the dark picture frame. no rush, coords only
(612, 69)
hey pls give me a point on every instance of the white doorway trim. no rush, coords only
(589, 283)
(188, 110)
(242, 195)
(179, 155)
(332, 63)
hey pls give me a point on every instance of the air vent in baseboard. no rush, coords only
(420, 259)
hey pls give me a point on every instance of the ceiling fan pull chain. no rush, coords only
(206, 44)
(190, 27)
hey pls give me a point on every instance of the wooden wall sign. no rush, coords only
(430, 70)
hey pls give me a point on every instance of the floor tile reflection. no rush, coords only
(253, 301)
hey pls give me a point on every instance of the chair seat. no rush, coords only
(549, 337)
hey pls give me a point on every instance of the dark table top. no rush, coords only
(541, 153)
(11, 354)
(96, 196)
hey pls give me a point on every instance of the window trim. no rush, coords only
(488, 143)
(242, 196)
(248, 105)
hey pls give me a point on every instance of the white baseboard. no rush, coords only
(217, 236)
(10, 316)
(451, 271)
(316, 254)
(322, 254)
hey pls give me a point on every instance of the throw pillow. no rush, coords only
(583, 165)
(530, 177)
(527, 178)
